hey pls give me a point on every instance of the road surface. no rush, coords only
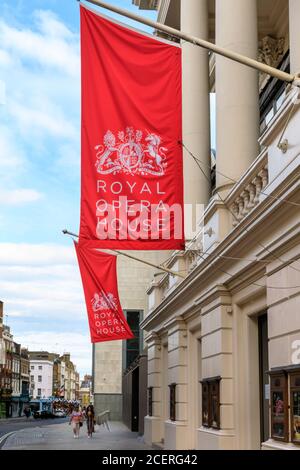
(8, 426)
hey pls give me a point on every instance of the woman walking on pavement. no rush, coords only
(76, 421)
(90, 418)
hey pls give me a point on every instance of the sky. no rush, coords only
(39, 174)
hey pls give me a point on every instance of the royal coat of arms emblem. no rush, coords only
(133, 153)
(101, 302)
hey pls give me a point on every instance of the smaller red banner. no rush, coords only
(99, 278)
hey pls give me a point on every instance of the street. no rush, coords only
(58, 435)
(17, 424)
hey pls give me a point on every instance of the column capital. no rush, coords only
(153, 339)
(175, 324)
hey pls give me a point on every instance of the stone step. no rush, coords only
(158, 445)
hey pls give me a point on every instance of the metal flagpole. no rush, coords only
(286, 77)
(166, 270)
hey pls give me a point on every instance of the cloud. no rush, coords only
(41, 283)
(40, 71)
(29, 255)
(52, 45)
(19, 196)
(5, 59)
(35, 120)
(11, 154)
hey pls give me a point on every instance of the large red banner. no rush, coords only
(131, 174)
(99, 279)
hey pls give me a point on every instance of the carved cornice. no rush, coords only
(210, 267)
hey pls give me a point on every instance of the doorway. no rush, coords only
(135, 400)
(264, 377)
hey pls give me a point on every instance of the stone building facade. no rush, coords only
(52, 375)
(14, 373)
(224, 343)
(6, 385)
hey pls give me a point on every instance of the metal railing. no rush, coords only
(103, 418)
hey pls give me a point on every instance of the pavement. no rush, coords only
(17, 419)
(8, 426)
(60, 437)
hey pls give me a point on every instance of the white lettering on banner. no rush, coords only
(138, 221)
(107, 323)
(111, 330)
(131, 186)
(151, 188)
(116, 185)
(146, 189)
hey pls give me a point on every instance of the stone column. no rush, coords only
(237, 91)
(294, 7)
(176, 432)
(196, 114)
(154, 425)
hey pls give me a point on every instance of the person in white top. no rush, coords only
(76, 419)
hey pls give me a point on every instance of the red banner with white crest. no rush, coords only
(131, 155)
(99, 278)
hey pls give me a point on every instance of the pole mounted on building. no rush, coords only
(255, 64)
(139, 260)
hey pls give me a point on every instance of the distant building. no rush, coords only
(77, 385)
(71, 385)
(14, 373)
(41, 374)
(6, 368)
(52, 375)
(16, 378)
(24, 378)
(59, 372)
(85, 391)
(87, 381)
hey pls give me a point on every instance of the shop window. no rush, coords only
(295, 406)
(211, 403)
(172, 402)
(279, 406)
(215, 403)
(205, 405)
(150, 401)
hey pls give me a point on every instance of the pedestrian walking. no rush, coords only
(90, 420)
(76, 421)
(27, 411)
